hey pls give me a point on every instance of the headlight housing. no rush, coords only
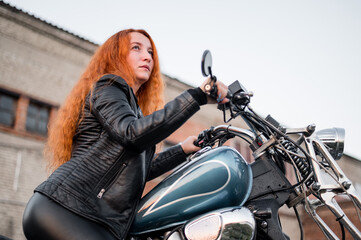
(333, 139)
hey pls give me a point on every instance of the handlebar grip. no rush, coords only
(211, 88)
(201, 138)
(213, 92)
(197, 143)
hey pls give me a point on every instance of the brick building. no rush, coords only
(39, 64)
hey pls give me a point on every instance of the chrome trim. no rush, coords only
(237, 222)
(237, 131)
(207, 227)
(174, 236)
(334, 138)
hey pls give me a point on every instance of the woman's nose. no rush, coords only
(147, 56)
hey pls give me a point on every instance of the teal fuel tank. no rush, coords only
(216, 179)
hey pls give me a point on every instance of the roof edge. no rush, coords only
(21, 13)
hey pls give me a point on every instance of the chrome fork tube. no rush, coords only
(342, 185)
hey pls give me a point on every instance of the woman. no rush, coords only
(102, 146)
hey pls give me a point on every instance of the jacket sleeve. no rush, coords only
(166, 161)
(111, 106)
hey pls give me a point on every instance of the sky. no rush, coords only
(300, 58)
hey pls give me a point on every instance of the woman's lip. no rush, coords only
(145, 66)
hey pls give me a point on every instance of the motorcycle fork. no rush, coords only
(328, 190)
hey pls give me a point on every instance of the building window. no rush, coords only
(7, 109)
(37, 118)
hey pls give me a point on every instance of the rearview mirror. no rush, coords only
(206, 64)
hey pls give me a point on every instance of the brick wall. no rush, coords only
(20, 116)
(38, 59)
(22, 168)
(41, 62)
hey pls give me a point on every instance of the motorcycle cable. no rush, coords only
(299, 222)
(279, 161)
(266, 131)
(173, 231)
(261, 127)
(224, 107)
(276, 191)
(256, 124)
(308, 157)
(286, 137)
(223, 137)
(337, 219)
(280, 133)
(277, 156)
(298, 161)
(342, 230)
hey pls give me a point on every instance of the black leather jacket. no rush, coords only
(112, 154)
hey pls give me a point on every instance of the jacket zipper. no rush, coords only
(111, 181)
(137, 201)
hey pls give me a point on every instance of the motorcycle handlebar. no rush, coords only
(218, 131)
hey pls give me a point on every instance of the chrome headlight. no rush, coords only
(333, 139)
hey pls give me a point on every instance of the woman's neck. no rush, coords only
(136, 87)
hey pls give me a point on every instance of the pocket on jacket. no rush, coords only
(111, 181)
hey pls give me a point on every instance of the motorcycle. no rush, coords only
(218, 195)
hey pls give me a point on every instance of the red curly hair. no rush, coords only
(110, 58)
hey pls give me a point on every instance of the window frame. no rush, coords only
(39, 107)
(15, 97)
(22, 102)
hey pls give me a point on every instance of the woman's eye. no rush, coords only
(151, 53)
(136, 47)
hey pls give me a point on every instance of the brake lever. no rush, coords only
(203, 137)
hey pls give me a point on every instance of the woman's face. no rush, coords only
(140, 57)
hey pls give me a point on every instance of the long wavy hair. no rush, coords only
(110, 58)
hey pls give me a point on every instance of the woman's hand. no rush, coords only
(188, 145)
(222, 91)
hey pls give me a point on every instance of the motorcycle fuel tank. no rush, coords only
(216, 179)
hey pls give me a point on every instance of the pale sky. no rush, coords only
(302, 59)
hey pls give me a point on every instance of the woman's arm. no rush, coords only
(172, 157)
(110, 104)
(166, 161)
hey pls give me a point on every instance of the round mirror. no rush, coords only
(206, 63)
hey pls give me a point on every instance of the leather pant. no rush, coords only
(45, 219)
